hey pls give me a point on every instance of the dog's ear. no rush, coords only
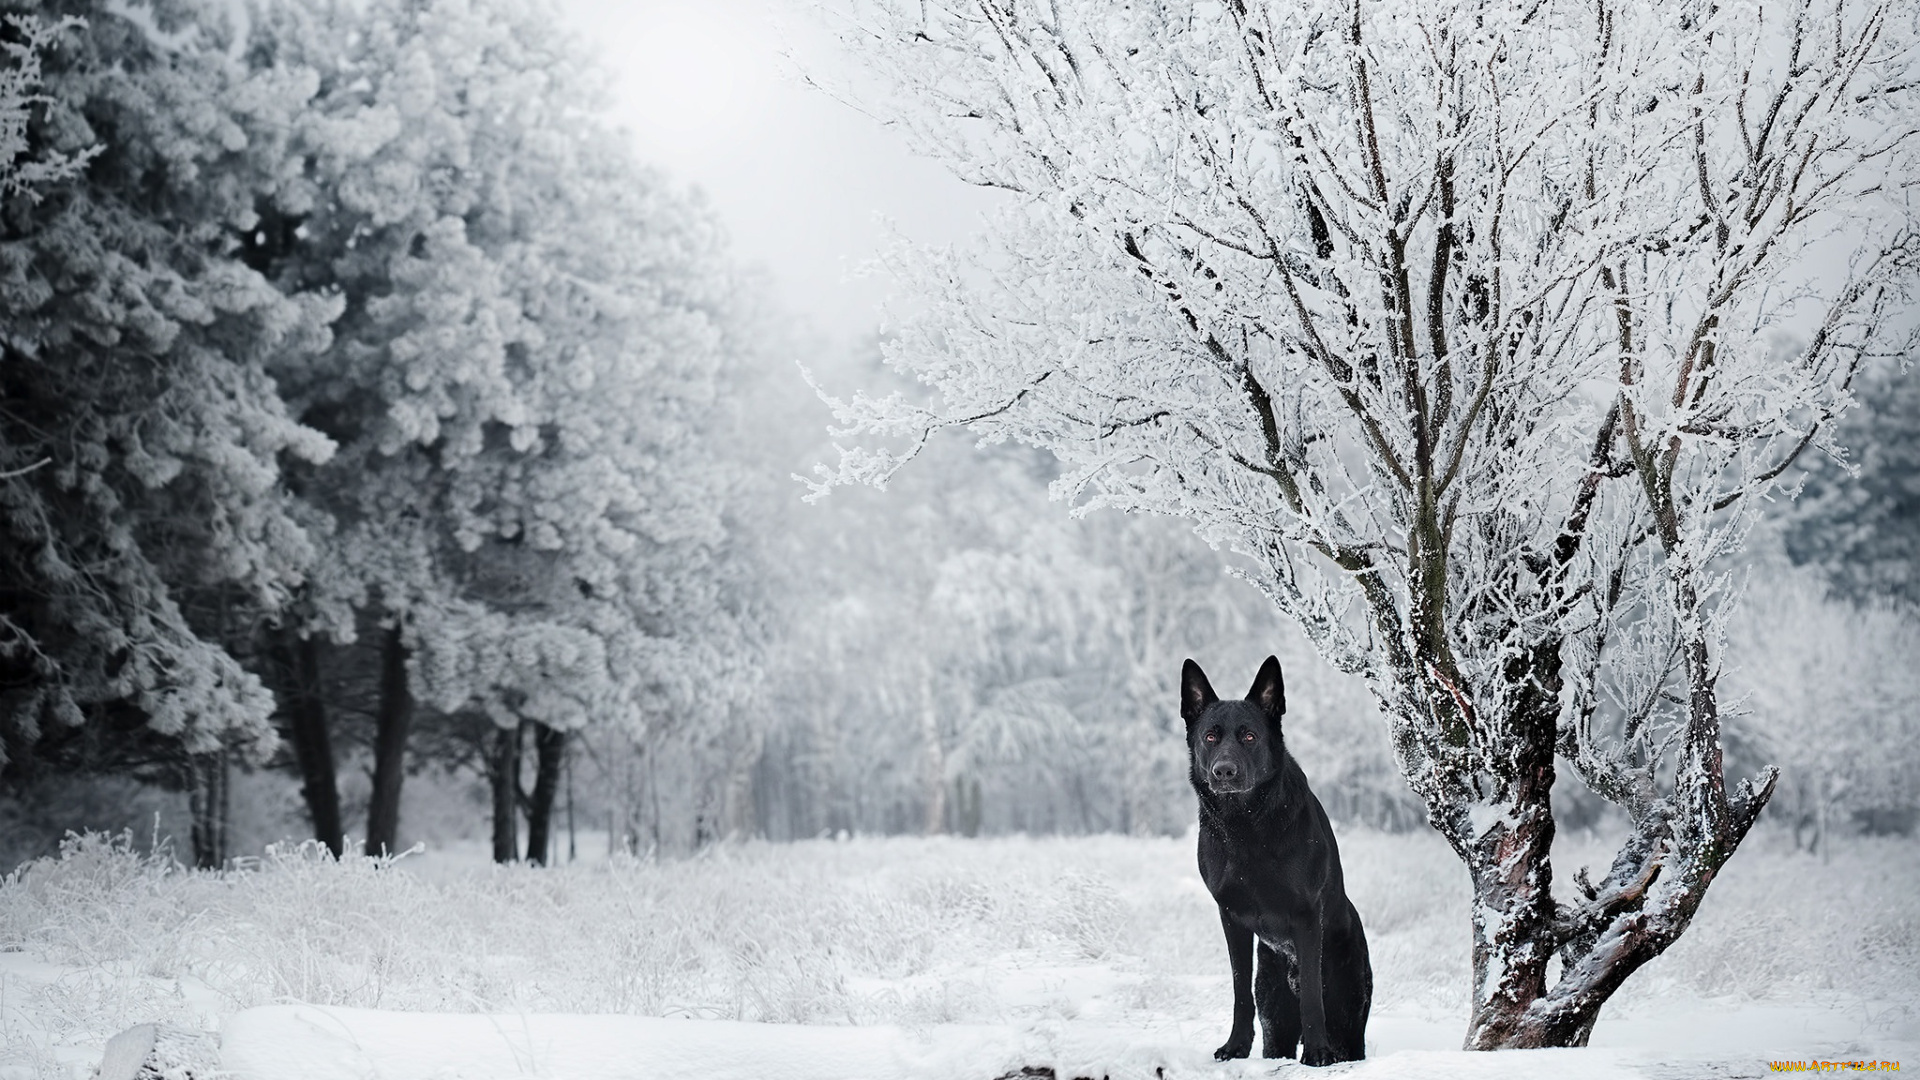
(1195, 693)
(1269, 691)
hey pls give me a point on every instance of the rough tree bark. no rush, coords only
(393, 719)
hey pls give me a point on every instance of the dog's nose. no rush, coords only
(1225, 770)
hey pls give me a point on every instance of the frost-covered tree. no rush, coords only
(946, 664)
(1021, 679)
(143, 525)
(1470, 324)
(532, 333)
(918, 665)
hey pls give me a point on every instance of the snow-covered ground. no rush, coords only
(884, 957)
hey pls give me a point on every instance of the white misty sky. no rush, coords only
(797, 177)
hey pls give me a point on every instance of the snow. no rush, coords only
(1485, 816)
(870, 957)
(306, 1042)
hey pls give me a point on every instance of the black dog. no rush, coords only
(1267, 853)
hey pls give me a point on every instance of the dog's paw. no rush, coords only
(1237, 1046)
(1318, 1055)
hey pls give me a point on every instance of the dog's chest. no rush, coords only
(1270, 923)
(1256, 888)
(1236, 885)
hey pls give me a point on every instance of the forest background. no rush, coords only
(376, 424)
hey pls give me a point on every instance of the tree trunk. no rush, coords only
(653, 796)
(550, 750)
(207, 799)
(1513, 909)
(966, 801)
(394, 717)
(297, 662)
(1596, 960)
(1643, 905)
(935, 764)
(503, 776)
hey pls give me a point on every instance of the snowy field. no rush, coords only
(875, 957)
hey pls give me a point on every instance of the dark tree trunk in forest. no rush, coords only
(394, 717)
(550, 749)
(207, 776)
(297, 662)
(572, 836)
(503, 776)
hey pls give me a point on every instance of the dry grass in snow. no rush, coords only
(870, 931)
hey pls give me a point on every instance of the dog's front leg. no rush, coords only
(1240, 953)
(1315, 1047)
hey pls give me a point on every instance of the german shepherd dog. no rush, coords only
(1267, 854)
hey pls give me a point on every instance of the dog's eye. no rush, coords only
(1213, 736)
(1247, 737)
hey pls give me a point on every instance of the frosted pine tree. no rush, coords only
(532, 333)
(143, 528)
(21, 168)
(1483, 329)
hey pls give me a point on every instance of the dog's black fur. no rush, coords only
(1268, 855)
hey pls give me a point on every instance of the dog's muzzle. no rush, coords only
(1226, 778)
